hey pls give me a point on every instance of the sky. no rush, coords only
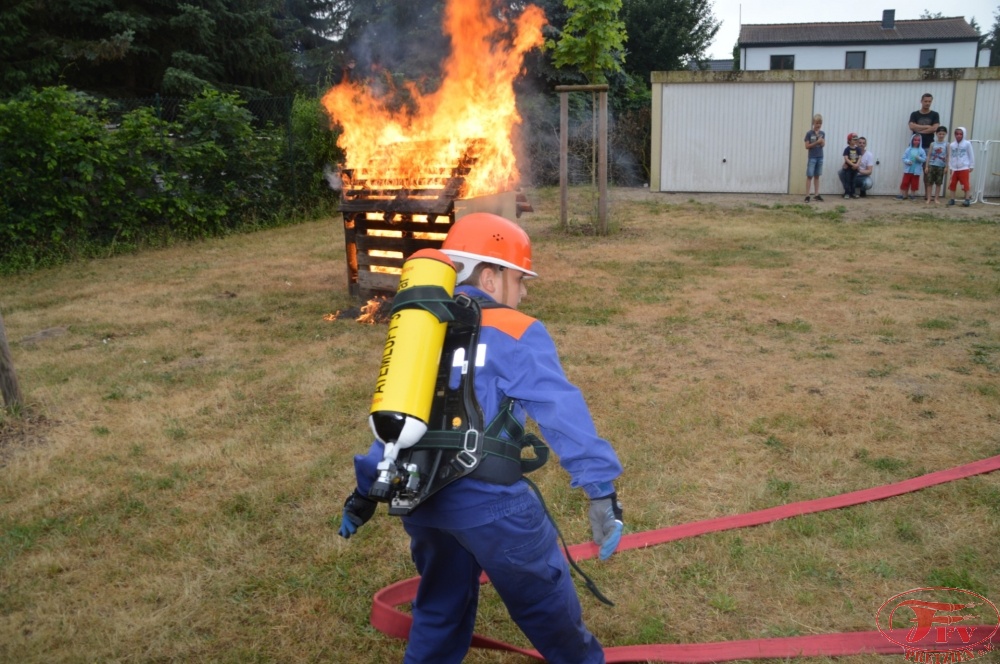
(823, 11)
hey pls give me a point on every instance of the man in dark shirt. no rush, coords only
(925, 122)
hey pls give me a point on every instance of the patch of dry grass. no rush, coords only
(174, 492)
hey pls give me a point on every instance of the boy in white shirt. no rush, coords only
(961, 163)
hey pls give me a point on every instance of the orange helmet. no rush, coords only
(483, 237)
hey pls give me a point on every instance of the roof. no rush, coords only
(953, 29)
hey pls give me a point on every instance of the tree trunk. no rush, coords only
(8, 379)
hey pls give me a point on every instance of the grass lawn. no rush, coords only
(172, 489)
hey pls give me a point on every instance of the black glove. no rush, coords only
(357, 510)
(606, 523)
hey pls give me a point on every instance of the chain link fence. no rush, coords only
(267, 111)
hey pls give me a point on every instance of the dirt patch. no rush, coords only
(855, 209)
(21, 432)
(44, 335)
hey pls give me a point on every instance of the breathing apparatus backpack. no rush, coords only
(425, 451)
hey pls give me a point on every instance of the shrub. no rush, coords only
(52, 147)
(139, 200)
(313, 150)
(73, 183)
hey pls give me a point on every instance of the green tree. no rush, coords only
(52, 42)
(593, 39)
(667, 34)
(312, 29)
(540, 72)
(928, 15)
(22, 59)
(126, 48)
(992, 39)
(232, 45)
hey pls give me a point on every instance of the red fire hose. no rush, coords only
(389, 620)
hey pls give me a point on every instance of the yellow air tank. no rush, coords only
(401, 405)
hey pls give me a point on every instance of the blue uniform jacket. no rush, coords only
(520, 361)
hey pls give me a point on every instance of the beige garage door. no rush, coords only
(726, 137)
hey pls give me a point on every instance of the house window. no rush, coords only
(782, 62)
(927, 57)
(855, 60)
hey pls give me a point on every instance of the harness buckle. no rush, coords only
(468, 457)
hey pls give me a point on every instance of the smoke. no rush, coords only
(403, 43)
(538, 143)
(332, 178)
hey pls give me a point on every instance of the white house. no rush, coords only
(935, 43)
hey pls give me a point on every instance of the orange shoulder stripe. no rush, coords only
(508, 321)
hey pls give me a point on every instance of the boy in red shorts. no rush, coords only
(961, 162)
(913, 165)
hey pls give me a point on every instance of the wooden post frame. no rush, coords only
(9, 388)
(602, 152)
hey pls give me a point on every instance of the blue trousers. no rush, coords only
(520, 553)
(847, 179)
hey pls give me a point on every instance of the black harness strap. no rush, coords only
(433, 299)
(500, 447)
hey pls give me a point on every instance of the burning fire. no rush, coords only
(472, 112)
(376, 310)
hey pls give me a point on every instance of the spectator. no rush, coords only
(937, 163)
(925, 122)
(961, 162)
(815, 140)
(914, 158)
(866, 166)
(852, 155)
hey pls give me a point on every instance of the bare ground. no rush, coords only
(855, 209)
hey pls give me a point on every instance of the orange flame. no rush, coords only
(473, 111)
(375, 310)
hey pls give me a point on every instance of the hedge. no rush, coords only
(79, 178)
